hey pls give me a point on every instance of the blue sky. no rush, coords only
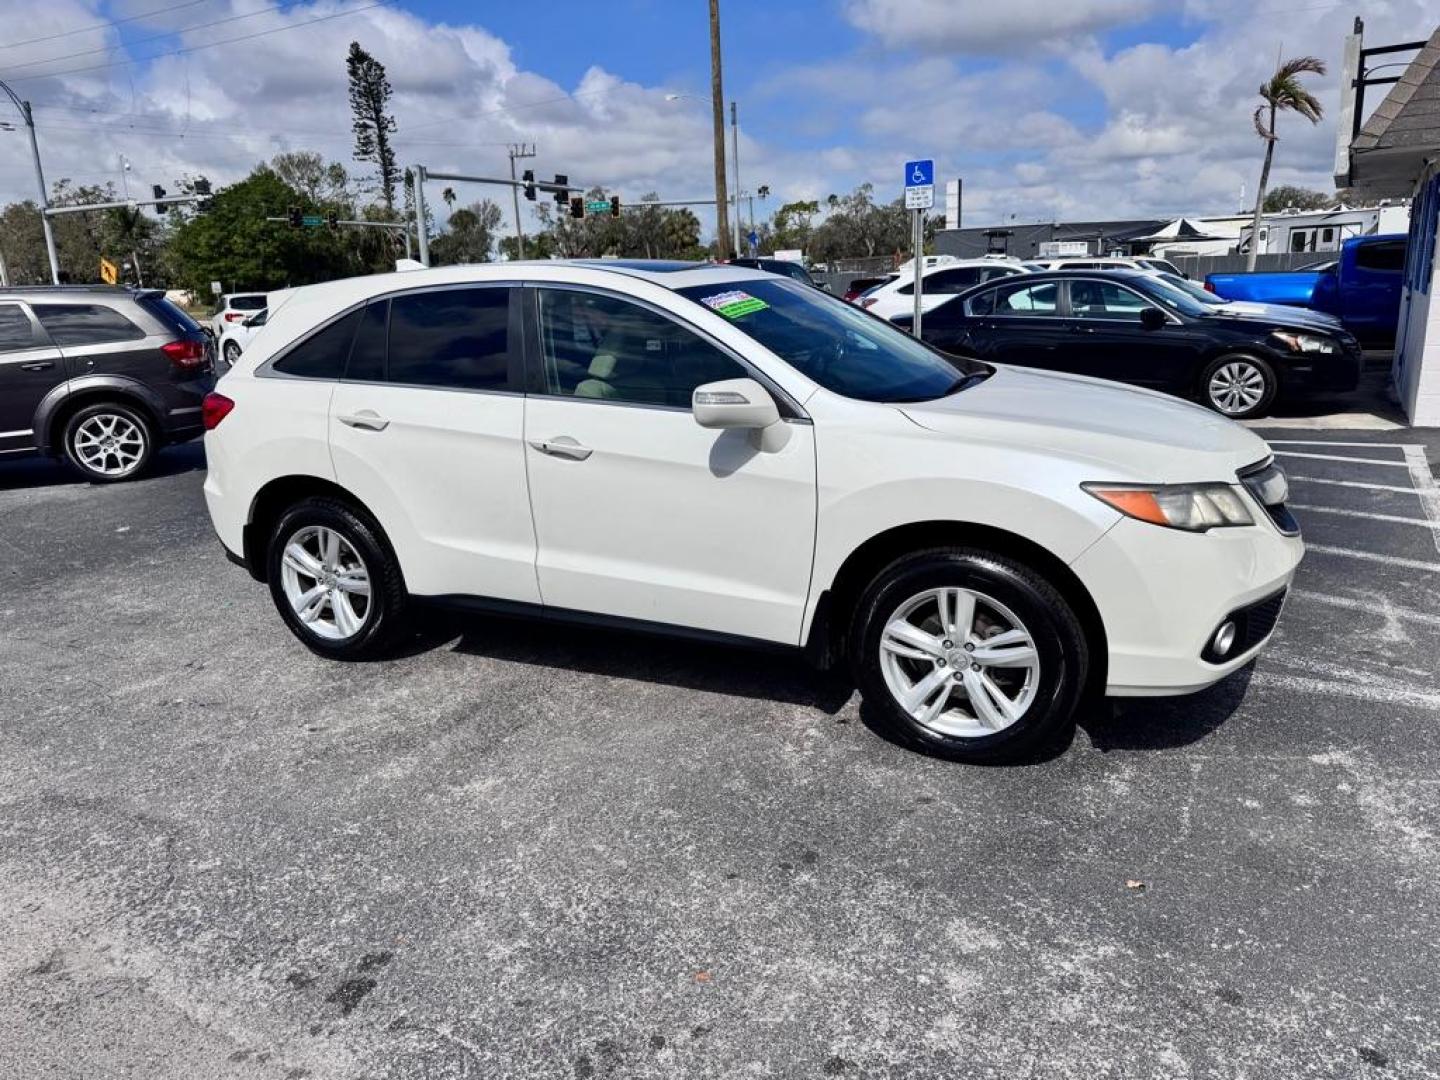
(1047, 108)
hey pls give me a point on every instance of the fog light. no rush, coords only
(1223, 640)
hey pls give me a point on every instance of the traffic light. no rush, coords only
(577, 207)
(562, 193)
(529, 177)
(333, 219)
(614, 205)
(297, 219)
(202, 186)
(157, 193)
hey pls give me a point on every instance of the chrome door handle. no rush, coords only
(369, 421)
(43, 365)
(562, 446)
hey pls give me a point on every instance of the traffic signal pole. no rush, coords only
(24, 107)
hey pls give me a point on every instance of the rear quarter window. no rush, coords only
(85, 324)
(322, 355)
(168, 312)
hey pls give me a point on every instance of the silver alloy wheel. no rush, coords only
(959, 662)
(326, 582)
(1237, 387)
(109, 444)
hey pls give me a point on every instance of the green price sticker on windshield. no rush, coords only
(735, 303)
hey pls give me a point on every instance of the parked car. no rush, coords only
(1130, 326)
(1109, 262)
(102, 376)
(238, 334)
(897, 296)
(727, 455)
(784, 267)
(1361, 288)
(234, 308)
(1250, 307)
(861, 285)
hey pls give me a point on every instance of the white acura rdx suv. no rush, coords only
(718, 452)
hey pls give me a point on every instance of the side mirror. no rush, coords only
(1152, 318)
(734, 403)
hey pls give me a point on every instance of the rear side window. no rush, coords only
(85, 324)
(248, 303)
(451, 337)
(321, 355)
(16, 333)
(1385, 256)
(1017, 299)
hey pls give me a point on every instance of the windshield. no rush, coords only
(1172, 297)
(1189, 287)
(835, 343)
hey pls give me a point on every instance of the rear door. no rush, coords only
(30, 367)
(425, 429)
(1018, 322)
(99, 340)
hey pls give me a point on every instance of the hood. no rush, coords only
(1120, 432)
(1280, 316)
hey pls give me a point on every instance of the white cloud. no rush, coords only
(986, 25)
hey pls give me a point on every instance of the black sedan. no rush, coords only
(1133, 327)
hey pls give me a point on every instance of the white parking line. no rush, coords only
(1342, 457)
(1393, 560)
(1425, 488)
(1327, 442)
(1352, 483)
(1396, 518)
(1385, 695)
(1379, 606)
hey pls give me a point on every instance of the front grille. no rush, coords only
(1253, 624)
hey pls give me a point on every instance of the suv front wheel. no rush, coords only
(107, 442)
(335, 581)
(967, 655)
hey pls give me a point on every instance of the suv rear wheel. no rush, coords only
(968, 655)
(334, 580)
(108, 441)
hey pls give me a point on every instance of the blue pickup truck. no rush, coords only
(1361, 288)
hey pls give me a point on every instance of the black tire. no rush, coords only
(385, 619)
(232, 353)
(77, 442)
(1269, 385)
(1053, 627)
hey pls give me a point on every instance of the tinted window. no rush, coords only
(248, 303)
(1017, 299)
(451, 337)
(947, 281)
(832, 342)
(85, 324)
(258, 319)
(367, 354)
(15, 330)
(598, 346)
(172, 315)
(1105, 300)
(1389, 255)
(322, 354)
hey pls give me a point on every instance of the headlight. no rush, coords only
(1304, 343)
(1195, 507)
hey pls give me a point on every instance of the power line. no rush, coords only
(197, 48)
(102, 25)
(144, 41)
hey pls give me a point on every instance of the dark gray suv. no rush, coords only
(102, 376)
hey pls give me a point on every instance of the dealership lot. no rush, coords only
(531, 851)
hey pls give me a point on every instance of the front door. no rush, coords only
(1107, 340)
(30, 367)
(639, 511)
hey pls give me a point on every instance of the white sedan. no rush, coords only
(938, 284)
(238, 334)
(720, 453)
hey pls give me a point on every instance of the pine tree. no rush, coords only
(373, 125)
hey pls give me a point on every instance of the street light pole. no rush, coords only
(24, 107)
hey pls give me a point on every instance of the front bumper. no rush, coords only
(1338, 371)
(1162, 593)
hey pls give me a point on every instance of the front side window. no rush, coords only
(1105, 300)
(16, 332)
(1018, 298)
(457, 338)
(603, 347)
(834, 343)
(85, 324)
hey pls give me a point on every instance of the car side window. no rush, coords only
(457, 338)
(16, 331)
(85, 324)
(367, 354)
(1105, 300)
(599, 346)
(321, 355)
(1386, 256)
(1018, 298)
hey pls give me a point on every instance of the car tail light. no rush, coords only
(234, 316)
(1209, 286)
(214, 409)
(187, 354)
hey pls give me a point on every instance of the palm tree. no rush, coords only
(449, 196)
(1282, 93)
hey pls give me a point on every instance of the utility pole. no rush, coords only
(24, 107)
(717, 111)
(519, 151)
(735, 142)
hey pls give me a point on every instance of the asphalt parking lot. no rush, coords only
(539, 852)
